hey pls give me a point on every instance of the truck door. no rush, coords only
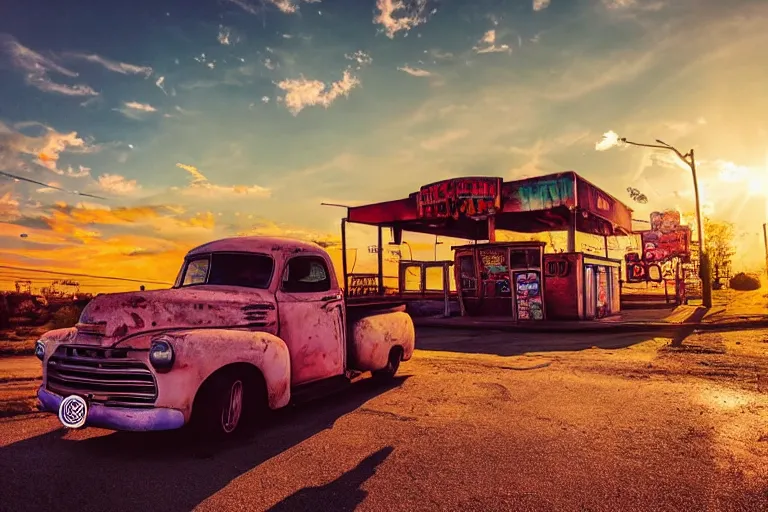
(311, 317)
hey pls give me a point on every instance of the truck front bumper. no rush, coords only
(118, 418)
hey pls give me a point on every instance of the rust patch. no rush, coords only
(137, 320)
(137, 302)
(120, 331)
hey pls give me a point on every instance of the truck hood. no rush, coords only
(110, 318)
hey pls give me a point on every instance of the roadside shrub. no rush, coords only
(66, 316)
(744, 282)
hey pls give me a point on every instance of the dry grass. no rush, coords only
(19, 341)
(18, 396)
(22, 347)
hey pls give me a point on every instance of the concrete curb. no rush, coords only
(732, 326)
(594, 328)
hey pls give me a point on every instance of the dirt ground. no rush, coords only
(477, 421)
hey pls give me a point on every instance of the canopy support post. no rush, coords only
(380, 254)
(572, 232)
(344, 256)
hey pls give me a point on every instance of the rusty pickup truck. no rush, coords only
(250, 323)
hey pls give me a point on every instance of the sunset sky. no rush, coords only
(196, 120)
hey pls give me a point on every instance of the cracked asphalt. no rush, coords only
(475, 421)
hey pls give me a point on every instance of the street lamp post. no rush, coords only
(704, 273)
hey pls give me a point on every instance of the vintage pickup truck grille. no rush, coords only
(107, 376)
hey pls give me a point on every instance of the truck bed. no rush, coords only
(358, 307)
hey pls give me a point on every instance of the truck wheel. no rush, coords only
(393, 364)
(227, 404)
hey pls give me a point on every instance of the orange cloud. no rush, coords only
(9, 207)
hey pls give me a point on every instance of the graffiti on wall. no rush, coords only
(460, 197)
(528, 296)
(666, 242)
(363, 284)
(495, 273)
(538, 194)
(639, 270)
(666, 239)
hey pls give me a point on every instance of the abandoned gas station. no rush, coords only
(515, 279)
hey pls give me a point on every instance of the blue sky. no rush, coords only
(208, 118)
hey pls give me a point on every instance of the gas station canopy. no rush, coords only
(472, 207)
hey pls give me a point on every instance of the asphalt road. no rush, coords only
(476, 421)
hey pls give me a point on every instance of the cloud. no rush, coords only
(118, 185)
(643, 5)
(586, 77)
(400, 15)
(197, 176)
(200, 186)
(159, 83)
(302, 93)
(540, 5)
(610, 139)
(443, 139)
(136, 110)
(437, 54)
(53, 186)
(82, 172)
(118, 67)
(487, 44)
(415, 71)
(284, 6)
(213, 191)
(162, 218)
(144, 107)
(9, 208)
(224, 34)
(45, 148)
(244, 5)
(265, 227)
(362, 58)
(37, 69)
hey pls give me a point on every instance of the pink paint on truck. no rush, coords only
(249, 321)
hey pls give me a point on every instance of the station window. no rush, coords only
(518, 259)
(412, 277)
(306, 274)
(434, 279)
(467, 275)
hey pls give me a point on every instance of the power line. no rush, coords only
(83, 275)
(21, 178)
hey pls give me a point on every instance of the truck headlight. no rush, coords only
(161, 355)
(39, 349)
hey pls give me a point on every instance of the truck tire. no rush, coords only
(227, 405)
(393, 363)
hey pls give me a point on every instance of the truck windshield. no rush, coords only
(249, 270)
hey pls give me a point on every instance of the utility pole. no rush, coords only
(765, 240)
(704, 271)
(437, 242)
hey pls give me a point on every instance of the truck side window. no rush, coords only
(196, 271)
(306, 274)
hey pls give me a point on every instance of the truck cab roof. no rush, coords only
(258, 244)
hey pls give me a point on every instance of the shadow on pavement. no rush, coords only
(513, 344)
(342, 495)
(166, 470)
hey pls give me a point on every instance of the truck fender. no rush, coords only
(201, 352)
(374, 336)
